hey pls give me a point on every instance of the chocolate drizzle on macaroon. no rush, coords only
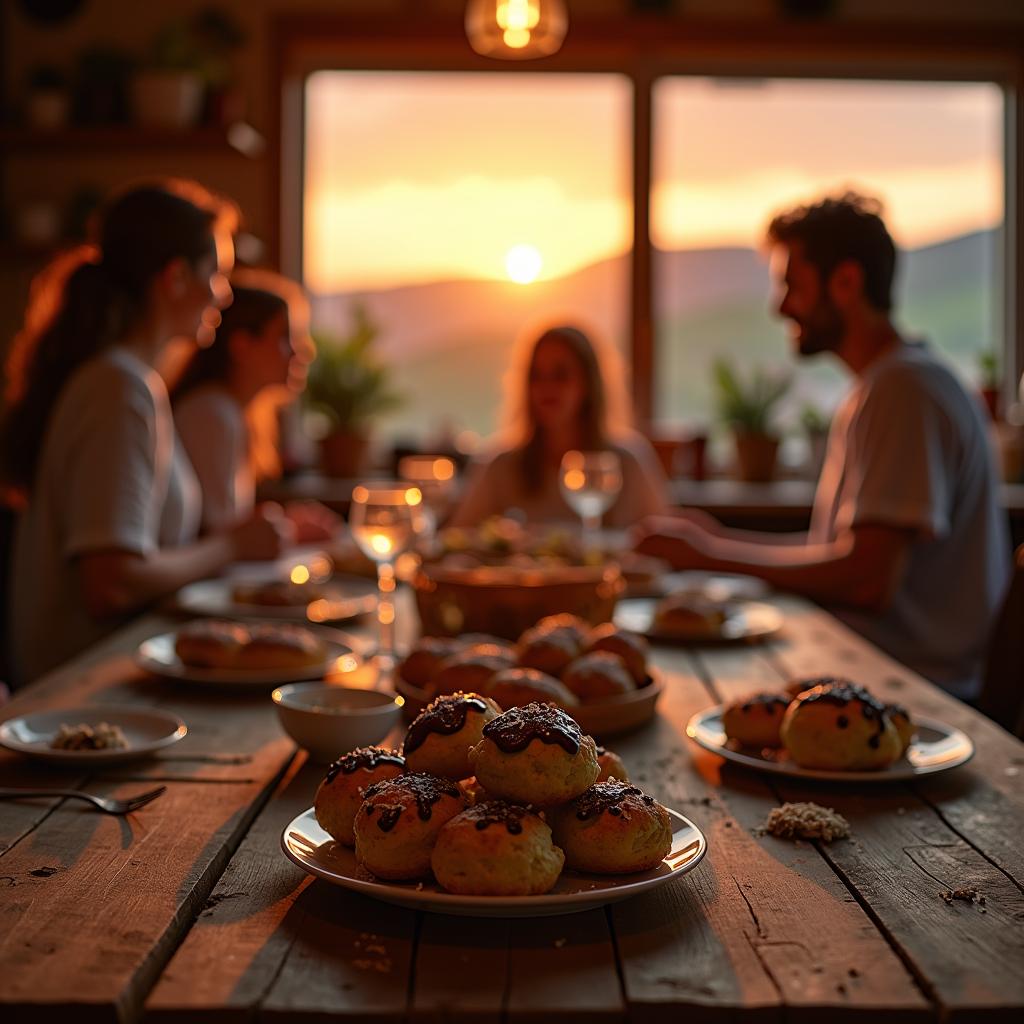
(445, 715)
(768, 701)
(607, 796)
(518, 727)
(497, 812)
(364, 757)
(427, 790)
(842, 694)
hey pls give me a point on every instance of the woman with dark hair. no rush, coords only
(562, 394)
(227, 401)
(108, 501)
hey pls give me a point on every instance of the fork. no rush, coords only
(106, 804)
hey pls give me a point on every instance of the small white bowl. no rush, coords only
(329, 721)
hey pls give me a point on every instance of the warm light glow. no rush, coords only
(300, 574)
(360, 494)
(381, 544)
(413, 496)
(523, 263)
(518, 14)
(444, 469)
(574, 479)
(346, 663)
(516, 38)
(385, 613)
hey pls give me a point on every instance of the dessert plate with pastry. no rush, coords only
(91, 735)
(829, 728)
(338, 599)
(254, 654)
(490, 813)
(695, 617)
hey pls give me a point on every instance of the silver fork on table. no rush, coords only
(104, 803)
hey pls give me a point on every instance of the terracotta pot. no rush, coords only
(342, 454)
(991, 397)
(167, 99)
(755, 457)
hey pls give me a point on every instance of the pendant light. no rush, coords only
(516, 29)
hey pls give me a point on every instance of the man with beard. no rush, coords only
(907, 541)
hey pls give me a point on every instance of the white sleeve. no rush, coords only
(215, 447)
(111, 484)
(898, 461)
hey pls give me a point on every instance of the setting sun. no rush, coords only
(523, 263)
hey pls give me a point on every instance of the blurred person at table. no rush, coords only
(229, 396)
(908, 543)
(109, 505)
(562, 393)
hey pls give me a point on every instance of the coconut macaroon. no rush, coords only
(840, 728)
(341, 792)
(515, 687)
(398, 823)
(598, 675)
(439, 738)
(630, 647)
(613, 828)
(610, 766)
(496, 849)
(535, 754)
(754, 721)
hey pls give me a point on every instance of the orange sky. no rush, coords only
(413, 177)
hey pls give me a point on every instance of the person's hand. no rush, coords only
(698, 517)
(263, 536)
(677, 541)
(312, 521)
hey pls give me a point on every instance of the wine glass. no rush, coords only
(591, 482)
(383, 520)
(434, 475)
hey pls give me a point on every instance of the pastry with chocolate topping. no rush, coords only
(515, 687)
(398, 823)
(496, 849)
(840, 727)
(630, 647)
(439, 738)
(613, 828)
(348, 778)
(534, 755)
(904, 725)
(754, 721)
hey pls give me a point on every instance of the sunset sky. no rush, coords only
(416, 177)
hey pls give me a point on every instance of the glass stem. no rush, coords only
(386, 617)
(591, 530)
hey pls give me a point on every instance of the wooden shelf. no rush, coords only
(103, 139)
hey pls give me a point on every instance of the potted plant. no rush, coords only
(347, 388)
(988, 365)
(815, 424)
(168, 91)
(49, 99)
(747, 409)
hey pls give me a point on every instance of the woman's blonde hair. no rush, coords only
(606, 414)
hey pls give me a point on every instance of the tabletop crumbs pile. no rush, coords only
(806, 821)
(968, 895)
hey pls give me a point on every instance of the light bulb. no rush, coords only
(516, 29)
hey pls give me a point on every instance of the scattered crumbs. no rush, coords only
(1012, 771)
(841, 989)
(44, 872)
(968, 894)
(727, 824)
(853, 972)
(559, 943)
(806, 821)
(981, 899)
(381, 966)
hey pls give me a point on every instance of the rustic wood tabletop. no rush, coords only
(188, 911)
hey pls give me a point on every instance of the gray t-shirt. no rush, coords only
(111, 476)
(908, 448)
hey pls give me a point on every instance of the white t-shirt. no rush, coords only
(908, 448)
(111, 476)
(212, 427)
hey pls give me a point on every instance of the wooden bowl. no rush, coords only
(506, 600)
(600, 718)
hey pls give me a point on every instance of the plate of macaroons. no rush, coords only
(697, 617)
(226, 653)
(299, 599)
(829, 728)
(600, 674)
(491, 813)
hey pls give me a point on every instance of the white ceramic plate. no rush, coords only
(746, 620)
(157, 655)
(145, 729)
(936, 748)
(346, 598)
(309, 846)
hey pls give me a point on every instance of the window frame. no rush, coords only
(644, 49)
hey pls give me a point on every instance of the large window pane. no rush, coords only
(459, 209)
(730, 153)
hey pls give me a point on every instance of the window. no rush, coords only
(729, 153)
(460, 209)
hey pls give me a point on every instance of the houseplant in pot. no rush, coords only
(348, 387)
(747, 407)
(168, 90)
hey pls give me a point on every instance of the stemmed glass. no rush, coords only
(591, 482)
(434, 475)
(383, 520)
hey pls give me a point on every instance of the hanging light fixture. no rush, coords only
(516, 29)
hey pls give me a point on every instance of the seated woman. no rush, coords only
(109, 504)
(559, 400)
(227, 400)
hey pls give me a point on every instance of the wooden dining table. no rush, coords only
(187, 910)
